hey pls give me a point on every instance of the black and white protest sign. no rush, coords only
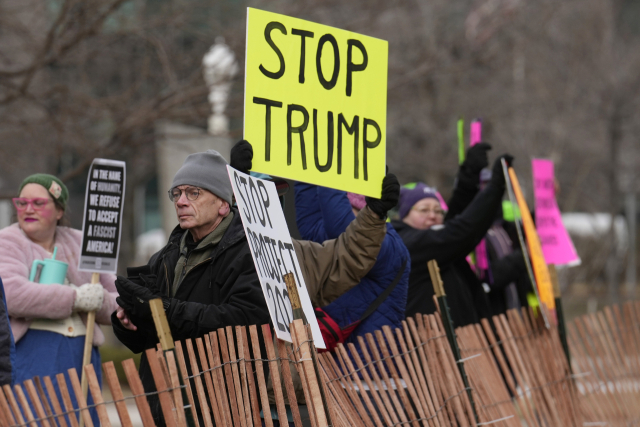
(102, 223)
(272, 250)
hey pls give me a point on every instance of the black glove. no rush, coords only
(241, 156)
(146, 327)
(497, 175)
(135, 298)
(476, 159)
(390, 196)
(469, 173)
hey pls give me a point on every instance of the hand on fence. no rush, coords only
(134, 298)
(124, 319)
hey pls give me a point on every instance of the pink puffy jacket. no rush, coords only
(28, 300)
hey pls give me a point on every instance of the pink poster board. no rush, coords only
(481, 250)
(557, 246)
(481, 255)
(476, 132)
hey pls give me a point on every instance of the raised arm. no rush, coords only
(461, 234)
(337, 265)
(468, 179)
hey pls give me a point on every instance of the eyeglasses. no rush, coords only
(436, 212)
(192, 193)
(38, 203)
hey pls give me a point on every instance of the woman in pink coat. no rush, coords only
(49, 321)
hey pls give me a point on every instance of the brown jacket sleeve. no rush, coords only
(335, 266)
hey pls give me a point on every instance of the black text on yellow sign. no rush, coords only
(315, 102)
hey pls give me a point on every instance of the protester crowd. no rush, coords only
(365, 266)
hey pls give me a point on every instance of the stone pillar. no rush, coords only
(6, 213)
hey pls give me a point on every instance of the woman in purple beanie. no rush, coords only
(448, 238)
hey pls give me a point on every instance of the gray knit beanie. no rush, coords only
(206, 170)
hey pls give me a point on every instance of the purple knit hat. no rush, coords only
(357, 200)
(411, 196)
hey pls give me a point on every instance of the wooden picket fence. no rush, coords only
(605, 355)
(409, 377)
(517, 370)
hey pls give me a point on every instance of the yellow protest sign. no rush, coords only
(315, 103)
(540, 268)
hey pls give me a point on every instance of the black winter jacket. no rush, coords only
(222, 291)
(506, 270)
(449, 244)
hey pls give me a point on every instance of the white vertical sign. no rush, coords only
(272, 251)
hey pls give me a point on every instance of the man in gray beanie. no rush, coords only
(205, 274)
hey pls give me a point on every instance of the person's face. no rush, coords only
(425, 214)
(35, 218)
(201, 215)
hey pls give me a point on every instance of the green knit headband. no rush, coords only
(53, 185)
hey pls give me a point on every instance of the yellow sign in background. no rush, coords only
(540, 268)
(315, 104)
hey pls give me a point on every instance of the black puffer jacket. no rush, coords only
(224, 290)
(449, 244)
